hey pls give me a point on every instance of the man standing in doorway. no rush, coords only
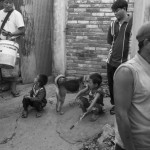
(13, 27)
(118, 37)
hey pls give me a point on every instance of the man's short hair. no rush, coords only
(119, 4)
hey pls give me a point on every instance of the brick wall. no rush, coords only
(86, 33)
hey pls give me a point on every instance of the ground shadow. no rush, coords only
(85, 129)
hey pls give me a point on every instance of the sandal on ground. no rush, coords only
(38, 114)
(24, 114)
(112, 110)
(94, 117)
(15, 94)
(61, 112)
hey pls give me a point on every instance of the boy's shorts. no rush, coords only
(84, 104)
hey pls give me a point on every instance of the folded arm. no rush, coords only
(93, 102)
(40, 96)
(81, 93)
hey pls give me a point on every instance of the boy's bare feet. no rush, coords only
(61, 112)
(38, 114)
(24, 114)
(112, 110)
(94, 117)
(15, 94)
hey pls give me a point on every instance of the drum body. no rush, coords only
(8, 54)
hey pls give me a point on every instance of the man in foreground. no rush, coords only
(132, 96)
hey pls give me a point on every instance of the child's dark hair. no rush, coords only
(119, 4)
(96, 78)
(43, 79)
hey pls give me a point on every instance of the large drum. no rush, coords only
(8, 54)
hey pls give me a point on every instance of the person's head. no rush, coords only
(95, 80)
(143, 37)
(119, 8)
(41, 79)
(8, 5)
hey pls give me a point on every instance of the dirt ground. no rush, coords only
(51, 131)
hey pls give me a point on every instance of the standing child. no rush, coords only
(37, 97)
(95, 93)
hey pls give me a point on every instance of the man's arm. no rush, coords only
(109, 36)
(20, 25)
(20, 31)
(123, 93)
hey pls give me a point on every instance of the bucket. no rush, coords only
(11, 73)
(8, 54)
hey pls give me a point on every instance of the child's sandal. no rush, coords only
(94, 117)
(15, 94)
(61, 113)
(112, 110)
(38, 114)
(24, 114)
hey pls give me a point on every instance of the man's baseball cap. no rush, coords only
(143, 32)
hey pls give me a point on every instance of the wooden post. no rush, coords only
(59, 54)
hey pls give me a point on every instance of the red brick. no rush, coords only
(86, 35)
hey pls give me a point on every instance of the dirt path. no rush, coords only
(51, 131)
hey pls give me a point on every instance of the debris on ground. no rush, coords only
(106, 88)
(103, 141)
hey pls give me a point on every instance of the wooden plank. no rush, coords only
(28, 68)
(43, 11)
(27, 44)
(36, 46)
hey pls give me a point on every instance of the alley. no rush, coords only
(51, 131)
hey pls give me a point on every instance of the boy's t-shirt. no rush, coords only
(39, 93)
(92, 94)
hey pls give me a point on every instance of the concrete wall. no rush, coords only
(59, 53)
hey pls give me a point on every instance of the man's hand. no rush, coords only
(6, 33)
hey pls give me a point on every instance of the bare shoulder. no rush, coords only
(123, 74)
